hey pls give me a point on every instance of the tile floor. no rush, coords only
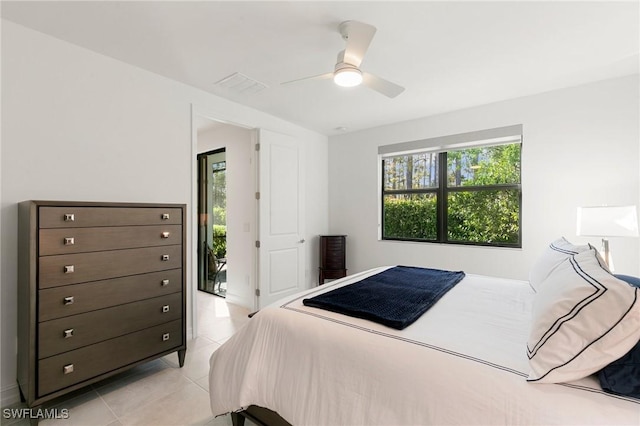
(157, 393)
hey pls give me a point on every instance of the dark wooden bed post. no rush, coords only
(258, 415)
(237, 419)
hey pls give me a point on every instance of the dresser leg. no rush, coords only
(181, 354)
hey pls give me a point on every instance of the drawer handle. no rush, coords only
(164, 235)
(165, 309)
(69, 217)
(68, 333)
(67, 369)
(164, 283)
(165, 216)
(165, 337)
(69, 241)
(165, 257)
(69, 269)
(68, 300)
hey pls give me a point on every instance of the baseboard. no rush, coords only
(10, 396)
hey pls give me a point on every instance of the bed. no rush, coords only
(462, 362)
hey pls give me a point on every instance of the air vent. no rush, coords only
(240, 83)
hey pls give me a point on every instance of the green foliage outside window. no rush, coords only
(220, 214)
(482, 195)
(492, 165)
(412, 216)
(220, 240)
(491, 217)
(219, 201)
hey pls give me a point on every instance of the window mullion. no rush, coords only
(410, 191)
(442, 197)
(382, 194)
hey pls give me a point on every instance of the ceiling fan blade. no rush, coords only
(324, 76)
(358, 36)
(381, 85)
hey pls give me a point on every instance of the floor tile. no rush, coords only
(198, 342)
(188, 406)
(85, 410)
(196, 363)
(15, 416)
(219, 331)
(127, 395)
(203, 382)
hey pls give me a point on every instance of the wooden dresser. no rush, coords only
(333, 263)
(101, 289)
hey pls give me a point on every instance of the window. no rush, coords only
(469, 193)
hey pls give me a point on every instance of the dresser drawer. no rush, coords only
(57, 302)
(77, 268)
(82, 217)
(66, 369)
(77, 240)
(68, 333)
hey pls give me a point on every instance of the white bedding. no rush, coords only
(462, 362)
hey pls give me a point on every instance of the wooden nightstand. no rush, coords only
(332, 257)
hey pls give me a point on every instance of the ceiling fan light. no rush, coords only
(347, 77)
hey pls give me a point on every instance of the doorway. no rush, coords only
(241, 142)
(212, 229)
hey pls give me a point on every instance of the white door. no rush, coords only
(281, 255)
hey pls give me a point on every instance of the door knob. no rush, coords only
(301, 241)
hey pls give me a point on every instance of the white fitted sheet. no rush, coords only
(463, 362)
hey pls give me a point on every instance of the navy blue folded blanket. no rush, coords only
(395, 297)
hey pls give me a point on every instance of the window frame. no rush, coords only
(442, 192)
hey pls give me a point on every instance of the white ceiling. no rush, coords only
(448, 55)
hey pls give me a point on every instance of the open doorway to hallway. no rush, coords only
(212, 231)
(230, 149)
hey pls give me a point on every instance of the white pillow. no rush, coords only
(554, 255)
(584, 318)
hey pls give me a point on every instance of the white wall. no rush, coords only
(241, 208)
(581, 147)
(77, 125)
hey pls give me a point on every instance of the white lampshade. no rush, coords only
(347, 77)
(608, 221)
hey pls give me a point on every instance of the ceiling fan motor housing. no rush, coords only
(347, 75)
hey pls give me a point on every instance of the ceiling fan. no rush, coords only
(347, 73)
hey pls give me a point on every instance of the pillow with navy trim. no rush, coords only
(583, 318)
(634, 281)
(622, 376)
(554, 255)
